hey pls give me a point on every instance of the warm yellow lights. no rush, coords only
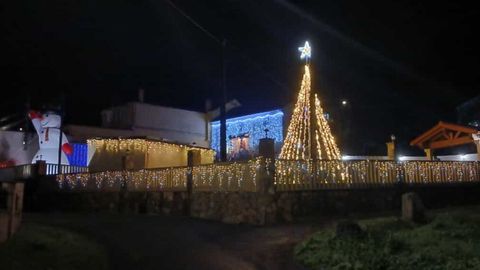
(298, 142)
(143, 145)
(236, 176)
(227, 176)
(289, 175)
(326, 174)
(142, 180)
(331, 148)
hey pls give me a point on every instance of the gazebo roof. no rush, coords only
(444, 135)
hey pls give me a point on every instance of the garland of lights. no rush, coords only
(299, 174)
(290, 175)
(116, 145)
(298, 142)
(254, 125)
(161, 179)
(220, 177)
(331, 148)
(227, 177)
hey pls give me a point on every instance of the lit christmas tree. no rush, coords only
(308, 135)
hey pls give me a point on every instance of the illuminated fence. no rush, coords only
(326, 174)
(142, 180)
(418, 172)
(289, 175)
(234, 176)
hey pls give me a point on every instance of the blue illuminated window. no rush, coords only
(79, 155)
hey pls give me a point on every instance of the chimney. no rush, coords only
(141, 95)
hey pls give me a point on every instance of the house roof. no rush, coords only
(444, 135)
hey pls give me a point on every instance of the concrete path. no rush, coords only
(160, 242)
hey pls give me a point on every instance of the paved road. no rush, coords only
(160, 242)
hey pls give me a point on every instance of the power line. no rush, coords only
(229, 44)
(190, 19)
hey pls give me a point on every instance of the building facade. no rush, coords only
(170, 124)
(244, 133)
(143, 153)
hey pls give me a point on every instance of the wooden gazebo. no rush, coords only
(444, 135)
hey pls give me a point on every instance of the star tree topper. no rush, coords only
(306, 51)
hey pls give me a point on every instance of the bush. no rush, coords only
(450, 241)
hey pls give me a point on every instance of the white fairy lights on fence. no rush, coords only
(227, 176)
(216, 177)
(160, 179)
(298, 175)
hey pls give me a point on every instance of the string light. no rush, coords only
(290, 175)
(300, 174)
(236, 176)
(296, 140)
(117, 145)
(331, 148)
(297, 145)
(160, 179)
(233, 176)
(254, 125)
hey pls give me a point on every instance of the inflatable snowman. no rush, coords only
(47, 126)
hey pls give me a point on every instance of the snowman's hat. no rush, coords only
(50, 108)
(50, 112)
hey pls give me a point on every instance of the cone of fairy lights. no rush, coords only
(308, 135)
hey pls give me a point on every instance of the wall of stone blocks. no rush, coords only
(253, 207)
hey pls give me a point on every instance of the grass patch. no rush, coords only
(48, 248)
(451, 240)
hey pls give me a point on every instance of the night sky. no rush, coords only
(402, 65)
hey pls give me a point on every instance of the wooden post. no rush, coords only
(391, 150)
(428, 153)
(11, 219)
(476, 140)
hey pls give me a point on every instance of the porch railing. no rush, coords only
(53, 169)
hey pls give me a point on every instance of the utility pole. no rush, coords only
(223, 112)
(61, 112)
(223, 109)
(26, 130)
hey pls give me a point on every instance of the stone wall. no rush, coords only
(114, 202)
(373, 200)
(248, 207)
(234, 207)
